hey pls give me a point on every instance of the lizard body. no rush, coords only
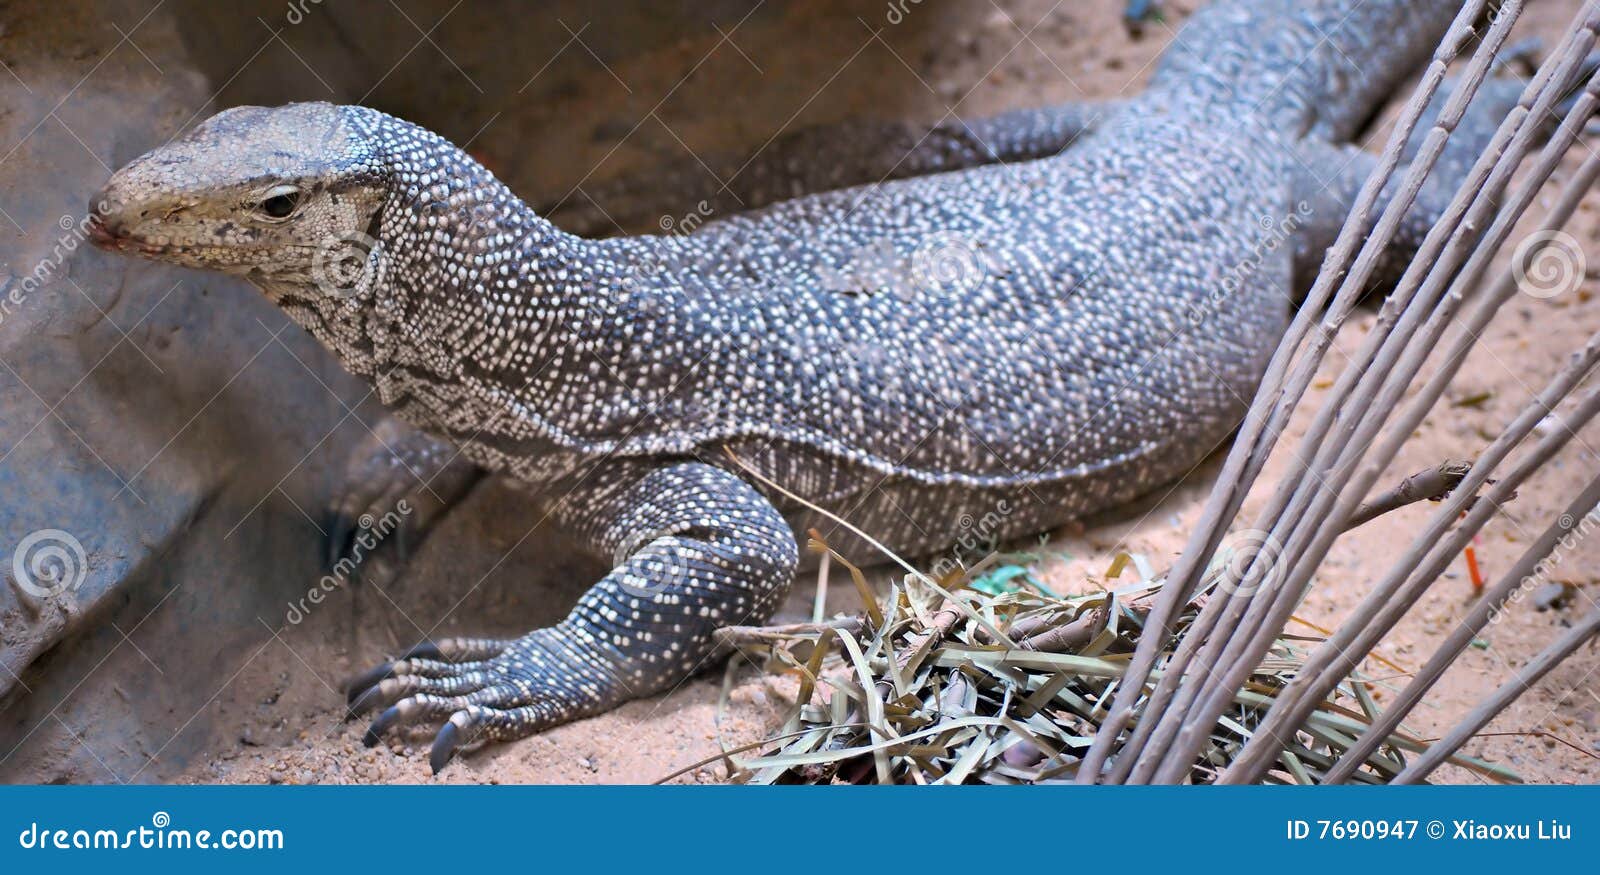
(1022, 343)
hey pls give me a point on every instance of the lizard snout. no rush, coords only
(107, 227)
(102, 235)
(118, 224)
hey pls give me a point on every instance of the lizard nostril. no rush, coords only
(103, 208)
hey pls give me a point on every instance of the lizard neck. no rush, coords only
(483, 317)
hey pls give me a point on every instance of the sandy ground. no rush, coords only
(283, 711)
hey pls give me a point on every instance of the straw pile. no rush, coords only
(924, 691)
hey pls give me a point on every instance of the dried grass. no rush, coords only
(922, 693)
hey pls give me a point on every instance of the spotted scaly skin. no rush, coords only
(1002, 348)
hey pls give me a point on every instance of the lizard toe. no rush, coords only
(483, 723)
(355, 687)
(459, 664)
(409, 711)
(458, 649)
(393, 689)
(448, 741)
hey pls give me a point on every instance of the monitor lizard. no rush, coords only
(1005, 330)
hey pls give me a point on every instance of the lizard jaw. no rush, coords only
(105, 238)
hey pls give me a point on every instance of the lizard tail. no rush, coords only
(1318, 68)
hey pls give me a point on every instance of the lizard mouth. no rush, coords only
(101, 236)
(110, 240)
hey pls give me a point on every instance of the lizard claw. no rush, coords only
(400, 483)
(447, 742)
(357, 687)
(388, 718)
(429, 660)
(494, 690)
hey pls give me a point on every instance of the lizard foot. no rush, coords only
(485, 690)
(399, 483)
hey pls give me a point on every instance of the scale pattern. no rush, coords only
(947, 359)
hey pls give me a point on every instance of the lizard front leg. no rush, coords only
(399, 482)
(694, 547)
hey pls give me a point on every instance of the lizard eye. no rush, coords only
(280, 202)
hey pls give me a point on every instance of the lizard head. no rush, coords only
(287, 196)
(374, 234)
